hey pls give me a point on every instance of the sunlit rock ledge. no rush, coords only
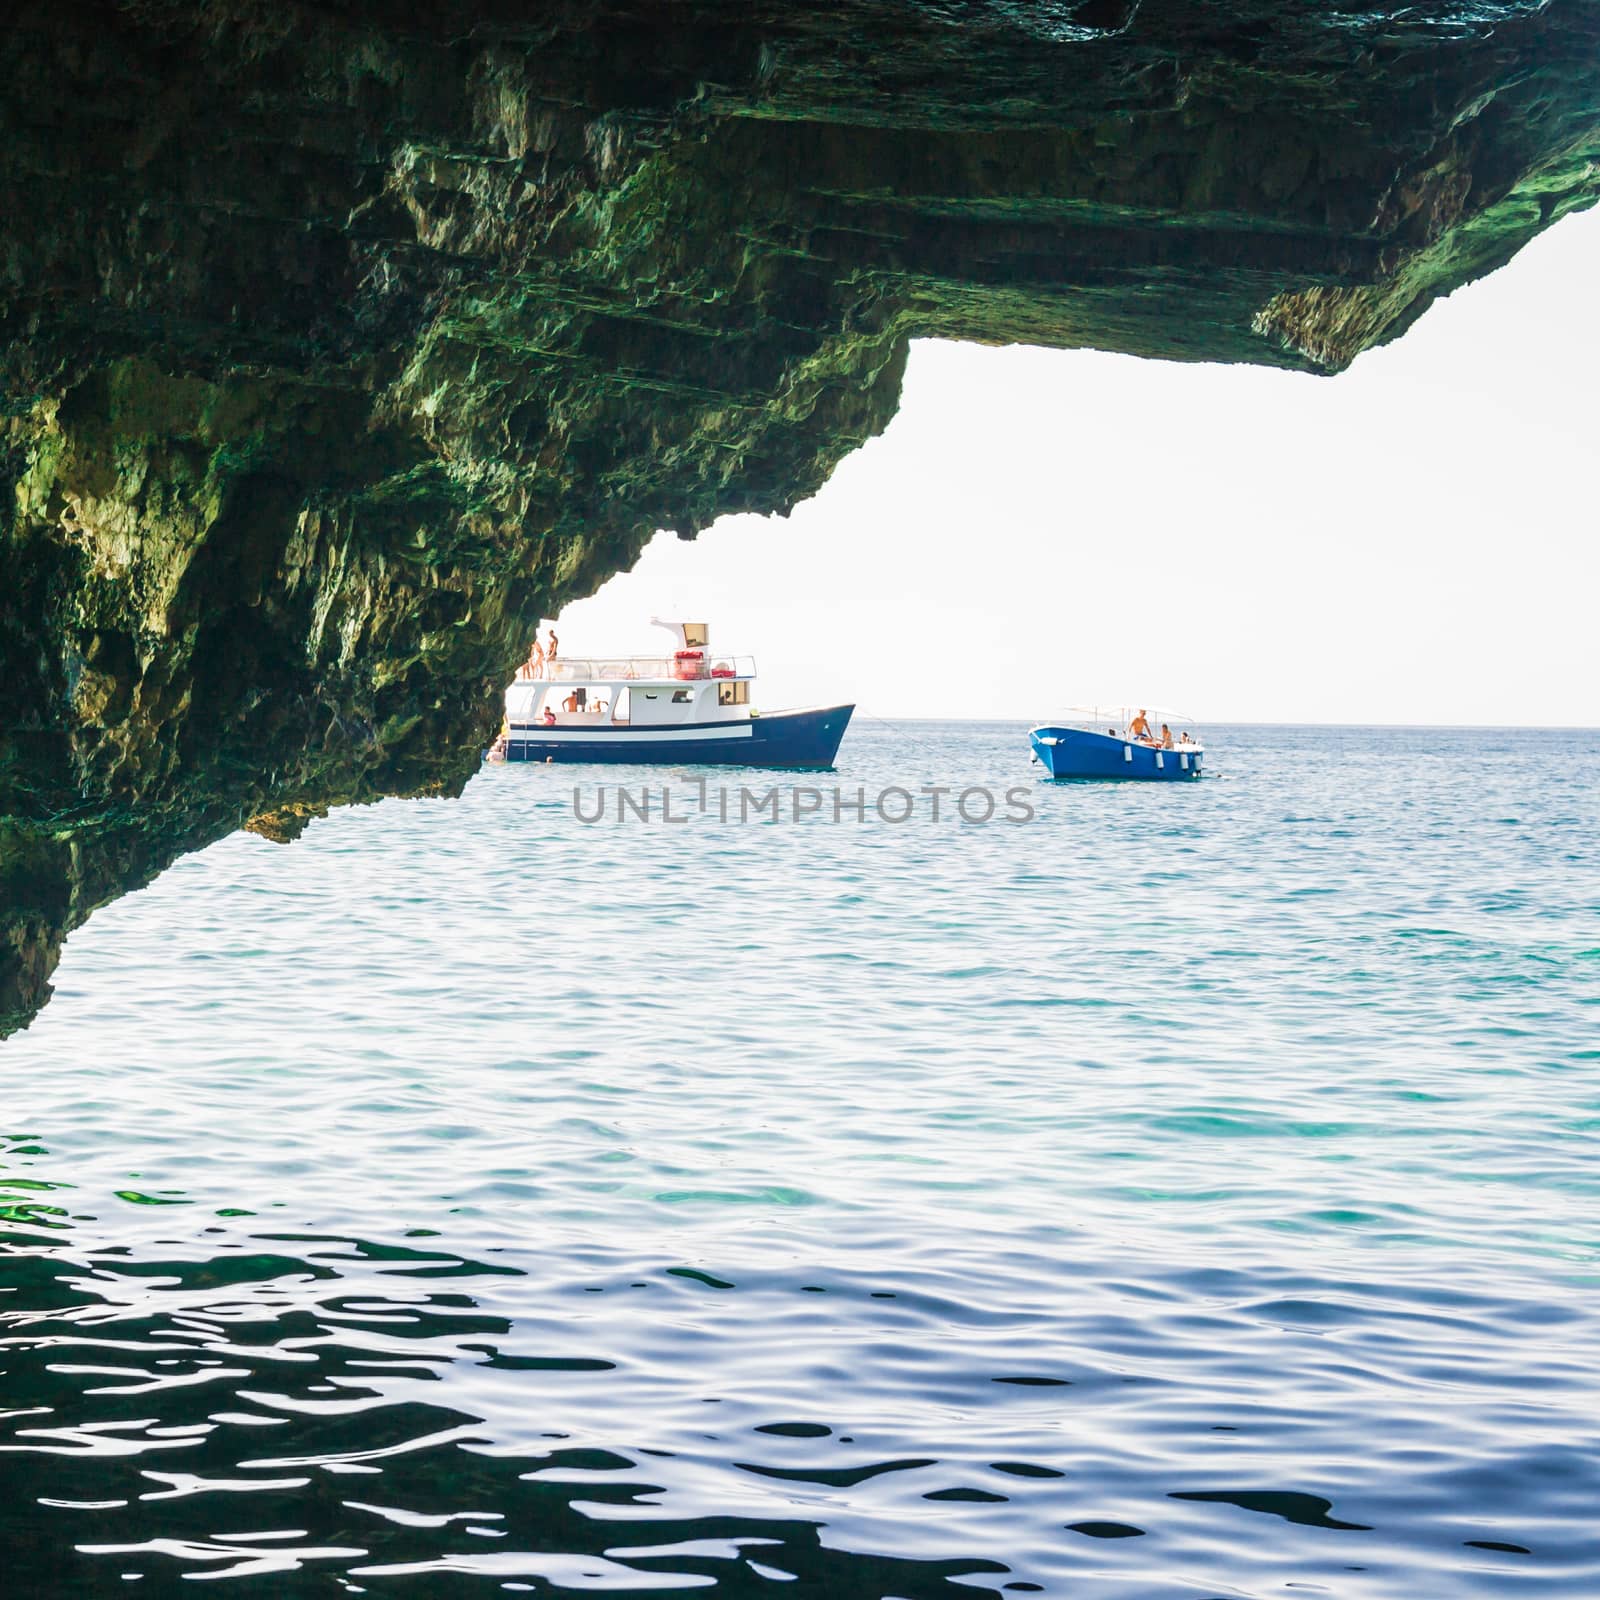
(340, 341)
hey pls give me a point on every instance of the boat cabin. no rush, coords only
(689, 686)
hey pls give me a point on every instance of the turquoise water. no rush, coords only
(1190, 1192)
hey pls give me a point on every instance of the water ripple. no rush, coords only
(1183, 1194)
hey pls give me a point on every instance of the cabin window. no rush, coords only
(733, 694)
(681, 697)
(696, 635)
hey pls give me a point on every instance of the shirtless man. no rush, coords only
(1166, 738)
(1139, 728)
(571, 702)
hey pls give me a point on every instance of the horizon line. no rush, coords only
(1253, 722)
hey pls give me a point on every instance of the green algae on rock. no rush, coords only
(339, 342)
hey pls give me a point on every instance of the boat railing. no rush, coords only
(1118, 720)
(684, 668)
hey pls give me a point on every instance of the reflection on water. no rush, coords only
(336, 1404)
(1144, 1202)
(250, 1403)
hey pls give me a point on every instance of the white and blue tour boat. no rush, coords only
(690, 706)
(1119, 742)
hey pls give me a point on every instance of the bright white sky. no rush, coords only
(1412, 542)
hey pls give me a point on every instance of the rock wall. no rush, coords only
(341, 341)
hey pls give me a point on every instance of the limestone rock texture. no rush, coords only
(341, 340)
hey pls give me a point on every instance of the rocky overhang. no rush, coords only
(341, 341)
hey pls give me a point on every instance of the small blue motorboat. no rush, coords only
(689, 707)
(1119, 742)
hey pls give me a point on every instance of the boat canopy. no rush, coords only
(681, 667)
(690, 635)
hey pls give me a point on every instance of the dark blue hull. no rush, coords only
(800, 739)
(1074, 753)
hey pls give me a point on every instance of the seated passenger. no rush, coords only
(549, 717)
(1139, 728)
(1167, 741)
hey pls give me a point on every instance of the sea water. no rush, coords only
(1188, 1190)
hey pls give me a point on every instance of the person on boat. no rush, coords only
(1139, 728)
(572, 703)
(1184, 738)
(549, 716)
(550, 654)
(1167, 741)
(535, 663)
